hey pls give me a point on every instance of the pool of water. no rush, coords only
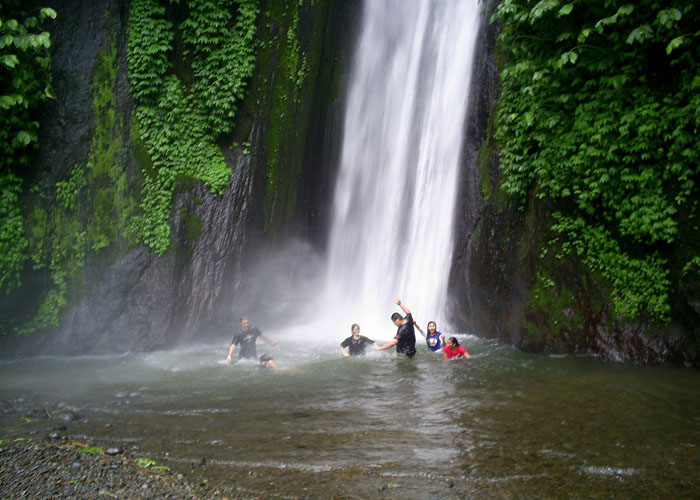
(503, 424)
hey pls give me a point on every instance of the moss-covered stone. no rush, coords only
(94, 220)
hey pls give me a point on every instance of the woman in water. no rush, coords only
(433, 337)
(356, 343)
(453, 350)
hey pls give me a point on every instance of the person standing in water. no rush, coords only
(355, 343)
(246, 338)
(405, 339)
(453, 350)
(433, 338)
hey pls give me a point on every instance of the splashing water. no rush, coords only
(391, 233)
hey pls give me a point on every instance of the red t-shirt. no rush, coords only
(460, 351)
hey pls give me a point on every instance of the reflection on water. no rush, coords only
(502, 424)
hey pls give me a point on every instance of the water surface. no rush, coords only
(504, 424)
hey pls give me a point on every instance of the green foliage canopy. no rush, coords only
(599, 115)
(25, 82)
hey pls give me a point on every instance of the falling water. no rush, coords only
(391, 232)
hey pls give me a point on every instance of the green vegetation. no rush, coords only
(557, 304)
(178, 123)
(92, 450)
(25, 83)
(94, 207)
(599, 115)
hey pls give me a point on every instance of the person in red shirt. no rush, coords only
(453, 350)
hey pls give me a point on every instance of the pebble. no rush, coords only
(113, 451)
(67, 416)
(62, 473)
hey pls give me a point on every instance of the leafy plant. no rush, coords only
(145, 462)
(92, 450)
(25, 83)
(179, 124)
(599, 114)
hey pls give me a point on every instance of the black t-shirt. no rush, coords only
(246, 340)
(356, 347)
(406, 336)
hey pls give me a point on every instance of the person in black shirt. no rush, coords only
(355, 343)
(246, 338)
(405, 339)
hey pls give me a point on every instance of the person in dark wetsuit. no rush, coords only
(355, 343)
(246, 338)
(405, 339)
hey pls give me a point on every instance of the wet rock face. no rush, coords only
(483, 293)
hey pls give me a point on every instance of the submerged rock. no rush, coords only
(67, 416)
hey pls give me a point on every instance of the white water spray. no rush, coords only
(391, 233)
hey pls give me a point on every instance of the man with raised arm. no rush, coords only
(405, 339)
(246, 338)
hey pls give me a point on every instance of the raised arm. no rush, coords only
(268, 339)
(402, 306)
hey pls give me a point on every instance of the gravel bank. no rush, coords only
(39, 470)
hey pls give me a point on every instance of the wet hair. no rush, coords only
(428, 327)
(454, 341)
(352, 328)
(265, 357)
(244, 317)
(396, 316)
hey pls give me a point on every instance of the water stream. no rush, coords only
(395, 195)
(504, 424)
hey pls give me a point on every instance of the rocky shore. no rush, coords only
(49, 469)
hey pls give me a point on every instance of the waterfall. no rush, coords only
(394, 200)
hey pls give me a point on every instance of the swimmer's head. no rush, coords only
(265, 359)
(396, 318)
(432, 327)
(353, 327)
(245, 323)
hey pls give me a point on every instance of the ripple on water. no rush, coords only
(609, 471)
